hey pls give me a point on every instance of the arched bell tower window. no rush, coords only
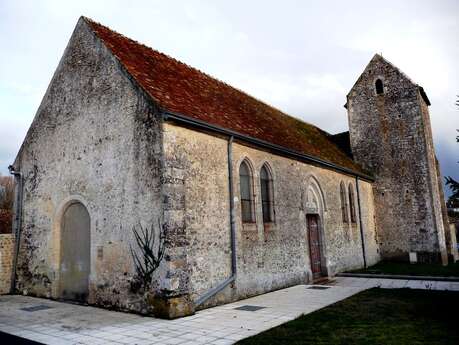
(379, 87)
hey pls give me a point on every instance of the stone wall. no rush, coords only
(270, 256)
(450, 239)
(435, 184)
(6, 261)
(453, 244)
(96, 140)
(391, 137)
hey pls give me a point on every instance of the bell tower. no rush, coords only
(391, 136)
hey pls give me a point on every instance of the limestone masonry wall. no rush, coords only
(450, 239)
(6, 261)
(96, 140)
(270, 256)
(453, 244)
(391, 137)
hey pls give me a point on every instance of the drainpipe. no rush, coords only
(213, 291)
(17, 223)
(362, 237)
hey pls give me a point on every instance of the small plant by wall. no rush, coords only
(149, 252)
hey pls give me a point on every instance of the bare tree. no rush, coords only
(6, 192)
(6, 203)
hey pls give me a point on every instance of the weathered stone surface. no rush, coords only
(172, 307)
(6, 261)
(391, 136)
(453, 244)
(266, 259)
(450, 237)
(95, 139)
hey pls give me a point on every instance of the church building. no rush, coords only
(238, 197)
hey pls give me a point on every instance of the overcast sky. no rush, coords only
(300, 56)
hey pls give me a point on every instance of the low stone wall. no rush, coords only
(453, 243)
(6, 261)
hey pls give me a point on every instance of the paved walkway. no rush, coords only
(53, 322)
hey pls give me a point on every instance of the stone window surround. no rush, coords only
(351, 226)
(268, 225)
(344, 203)
(251, 172)
(313, 184)
(380, 77)
(352, 209)
(252, 227)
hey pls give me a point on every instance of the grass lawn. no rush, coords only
(405, 268)
(376, 316)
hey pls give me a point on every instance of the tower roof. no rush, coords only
(379, 57)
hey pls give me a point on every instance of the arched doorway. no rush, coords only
(315, 246)
(315, 208)
(75, 253)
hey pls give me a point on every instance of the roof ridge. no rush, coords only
(421, 89)
(379, 56)
(90, 20)
(179, 88)
(395, 67)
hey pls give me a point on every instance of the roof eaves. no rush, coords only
(424, 95)
(186, 120)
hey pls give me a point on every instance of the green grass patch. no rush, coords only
(376, 316)
(405, 268)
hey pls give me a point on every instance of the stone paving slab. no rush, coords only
(398, 276)
(66, 324)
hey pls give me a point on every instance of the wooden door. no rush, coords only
(75, 253)
(314, 245)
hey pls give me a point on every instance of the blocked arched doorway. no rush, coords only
(75, 253)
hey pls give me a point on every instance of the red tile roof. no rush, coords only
(343, 141)
(179, 88)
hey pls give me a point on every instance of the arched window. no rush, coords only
(379, 87)
(343, 198)
(266, 183)
(351, 203)
(245, 181)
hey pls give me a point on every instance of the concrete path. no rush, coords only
(366, 283)
(53, 322)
